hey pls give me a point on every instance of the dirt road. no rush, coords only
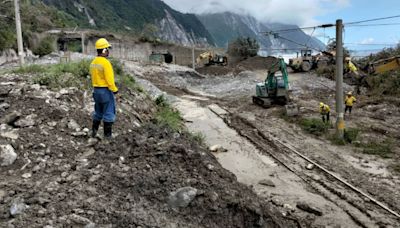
(252, 137)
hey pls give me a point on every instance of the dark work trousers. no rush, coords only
(348, 108)
(325, 117)
(104, 107)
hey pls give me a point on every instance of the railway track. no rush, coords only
(365, 210)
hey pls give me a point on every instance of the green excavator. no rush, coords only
(275, 89)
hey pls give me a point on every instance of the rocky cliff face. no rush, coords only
(170, 29)
(225, 27)
(133, 16)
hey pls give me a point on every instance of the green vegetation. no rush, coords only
(198, 137)
(123, 79)
(383, 149)
(35, 17)
(166, 115)
(314, 126)
(243, 47)
(45, 47)
(350, 135)
(33, 69)
(382, 84)
(74, 74)
(134, 17)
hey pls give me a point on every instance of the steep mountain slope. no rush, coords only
(128, 15)
(225, 27)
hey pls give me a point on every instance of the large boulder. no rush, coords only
(7, 155)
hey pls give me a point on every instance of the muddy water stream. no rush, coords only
(251, 167)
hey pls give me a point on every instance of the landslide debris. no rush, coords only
(149, 175)
(249, 64)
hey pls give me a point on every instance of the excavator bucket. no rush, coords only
(292, 110)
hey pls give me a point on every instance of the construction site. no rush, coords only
(202, 137)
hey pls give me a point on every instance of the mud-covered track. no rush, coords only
(363, 209)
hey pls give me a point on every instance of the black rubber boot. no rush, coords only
(95, 127)
(108, 130)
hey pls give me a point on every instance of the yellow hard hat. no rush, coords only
(102, 43)
(321, 104)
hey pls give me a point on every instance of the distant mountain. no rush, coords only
(134, 15)
(225, 27)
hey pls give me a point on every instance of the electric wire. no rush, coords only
(372, 25)
(374, 19)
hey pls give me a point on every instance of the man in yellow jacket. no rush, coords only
(104, 89)
(325, 111)
(350, 67)
(349, 102)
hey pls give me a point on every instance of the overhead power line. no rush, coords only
(373, 44)
(372, 25)
(303, 45)
(300, 28)
(369, 20)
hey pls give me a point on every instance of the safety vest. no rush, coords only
(324, 109)
(102, 73)
(349, 101)
(351, 67)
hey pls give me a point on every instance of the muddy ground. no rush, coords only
(63, 178)
(260, 144)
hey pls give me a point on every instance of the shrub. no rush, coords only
(59, 75)
(161, 101)
(45, 47)
(30, 69)
(382, 149)
(243, 47)
(350, 134)
(314, 126)
(7, 38)
(198, 137)
(166, 115)
(169, 117)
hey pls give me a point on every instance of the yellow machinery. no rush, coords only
(212, 59)
(384, 65)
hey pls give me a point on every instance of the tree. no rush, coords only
(243, 47)
(149, 33)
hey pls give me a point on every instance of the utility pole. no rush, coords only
(340, 125)
(83, 42)
(19, 33)
(193, 65)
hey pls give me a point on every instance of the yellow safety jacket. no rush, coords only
(324, 109)
(351, 67)
(349, 101)
(102, 73)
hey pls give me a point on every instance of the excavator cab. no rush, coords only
(275, 89)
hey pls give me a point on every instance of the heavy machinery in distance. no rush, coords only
(275, 89)
(212, 58)
(306, 61)
(384, 65)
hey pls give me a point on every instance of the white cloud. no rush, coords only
(367, 41)
(297, 12)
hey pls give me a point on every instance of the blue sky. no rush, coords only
(313, 12)
(370, 36)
